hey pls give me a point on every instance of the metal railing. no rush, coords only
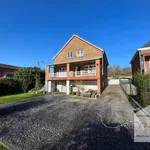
(82, 73)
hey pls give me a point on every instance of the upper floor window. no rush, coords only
(80, 52)
(69, 55)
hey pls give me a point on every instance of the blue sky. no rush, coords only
(35, 30)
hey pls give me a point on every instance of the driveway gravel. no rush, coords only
(64, 123)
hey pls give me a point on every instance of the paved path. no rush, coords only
(59, 122)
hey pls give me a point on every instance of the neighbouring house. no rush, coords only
(141, 60)
(77, 60)
(6, 71)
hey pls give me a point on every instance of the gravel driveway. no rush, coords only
(60, 122)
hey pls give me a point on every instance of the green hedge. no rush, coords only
(141, 81)
(9, 86)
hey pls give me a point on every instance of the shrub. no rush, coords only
(9, 86)
(29, 77)
(142, 84)
(32, 90)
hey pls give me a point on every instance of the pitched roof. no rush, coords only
(9, 66)
(145, 49)
(146, 45)
(74, 35)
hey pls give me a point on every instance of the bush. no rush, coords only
(9, 86)
(142, 84)
(29, 77)
(32, 90)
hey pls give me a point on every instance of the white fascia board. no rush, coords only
(144, 48)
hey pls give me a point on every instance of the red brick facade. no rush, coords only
(77, 44)
(147, 64)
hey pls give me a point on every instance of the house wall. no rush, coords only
(86, 85)
(61, 86)
(135, 64)
(104, 77)
(74, 45)
(147, 64)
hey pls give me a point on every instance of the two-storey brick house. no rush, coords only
(77, 60)
(140, 61)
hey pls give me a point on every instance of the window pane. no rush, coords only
(69, 54)
(80, 52)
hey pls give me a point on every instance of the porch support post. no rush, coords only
(68, 87)
(49, 86)
(98, 75)
(47, 75)
(68, 70)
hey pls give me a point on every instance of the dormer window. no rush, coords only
(80, 52)
(69, 55)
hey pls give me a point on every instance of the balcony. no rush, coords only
(73, 74)
(58, 74)
(82, 73)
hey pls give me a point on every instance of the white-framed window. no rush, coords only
(90, 68)
(69, 55)
(80, 52)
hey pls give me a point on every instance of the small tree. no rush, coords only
(142, 84)
(26, 77)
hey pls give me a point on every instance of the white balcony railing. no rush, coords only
(74, 73)
(82, 73)
(58, 74)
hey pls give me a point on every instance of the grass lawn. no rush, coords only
(3, 148)
(16, 97)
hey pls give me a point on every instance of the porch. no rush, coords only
(80, 69)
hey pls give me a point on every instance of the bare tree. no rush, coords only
(116, 71)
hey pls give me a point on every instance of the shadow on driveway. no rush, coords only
(94, 137)
(21, 107)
